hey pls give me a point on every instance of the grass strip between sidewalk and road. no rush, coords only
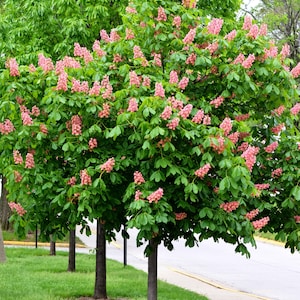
(32, 274)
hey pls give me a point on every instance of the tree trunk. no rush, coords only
(72, 251)
(2, 251)
(52, 248)
(152, 271)
(5, 211)
(100, 282)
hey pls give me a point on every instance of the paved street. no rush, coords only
(215, 270)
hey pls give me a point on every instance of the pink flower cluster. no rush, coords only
(201, 172)
(134, 79)
(177, 21)
(234, 137)
(226, 125)
(262, 186)
(250, 156)
(138, 195)
(95, 89)
(297, 219)
(219, 145)
(182, 84)
(213, 47)
(295, 109)
(26, 119)
(43, 129)
(97, 49)
(18, 177)
(277, 129)
(230, 206)
(157, 59)
(45, 63)
(198, 116)
(18, 208)
(76, 125)
(29, 161)
(191, 59)
(285, 51)
(243, 117)
(277, 172)
(129, 34)
(85, 178)
(279, 110)
(62, 82)
(247, 63)
(185, 111)
(133, 105)
(137, 52)
(78, 86)
(215, 26)
(231, 35)
(173, 123)
(173, 77)
(217, 101)
(159, 90)
(167, 112)
(6, 127)
(93, 143)
(180, 216)
(13, 67)
(138, 178)
(72, 181)
(296, 71)
(83, 52)
(272, 147)
(161, 15)
(105, 112)
(252, 214)
(247, 22)
(258, 224)
(253, 31)
(155, 196)
(108, 165)
(66, 62)
(146, 81)
(18, 159)
(239, 59)
(189, 3)
(190, 36)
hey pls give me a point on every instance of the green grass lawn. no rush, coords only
(31, 274)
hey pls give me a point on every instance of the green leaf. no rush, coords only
(296, 192)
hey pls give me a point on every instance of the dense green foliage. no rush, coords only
(29, 27)
(106, 98)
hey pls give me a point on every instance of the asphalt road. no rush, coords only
(215, 270)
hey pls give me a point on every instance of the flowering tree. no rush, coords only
(183, 121)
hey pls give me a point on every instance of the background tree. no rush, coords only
(283, 19)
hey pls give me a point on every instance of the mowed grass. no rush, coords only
(31, 274)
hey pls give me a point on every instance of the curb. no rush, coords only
(20, 243)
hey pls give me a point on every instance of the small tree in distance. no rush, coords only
(184, 122)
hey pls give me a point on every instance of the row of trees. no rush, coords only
(172, 122)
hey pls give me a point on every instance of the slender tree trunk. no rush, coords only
(5, 211)
(152, 271)
(52, 247)
(100, 282)
(2, 250)
(72, 251)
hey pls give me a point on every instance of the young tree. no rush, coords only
(169, 113)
